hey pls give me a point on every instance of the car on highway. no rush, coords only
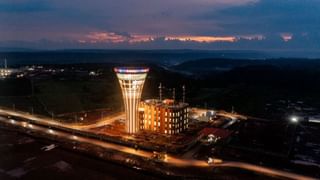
(159, 156)
(214, 161)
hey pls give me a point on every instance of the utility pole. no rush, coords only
(52, 114)
(32, 88)
(183, 93)
(5, 64)
(160, 92)
(174, 95)
(102, 115)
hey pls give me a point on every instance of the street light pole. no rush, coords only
(294, 120)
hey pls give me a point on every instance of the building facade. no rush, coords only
(131, 82)
(167, 116)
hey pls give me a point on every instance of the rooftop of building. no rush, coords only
(166, 103)
(131, 70)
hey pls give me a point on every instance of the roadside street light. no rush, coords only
(52, 115)
(294, 119)
(74, 137)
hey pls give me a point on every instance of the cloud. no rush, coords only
(268, 16)
(207, 24)
(113, 37)
(22, 6)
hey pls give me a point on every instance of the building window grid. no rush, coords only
(177, 120)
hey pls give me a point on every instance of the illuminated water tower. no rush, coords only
(131, 80)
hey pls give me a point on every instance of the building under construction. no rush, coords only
(164, 116)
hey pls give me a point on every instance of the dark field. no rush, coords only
(23, 157)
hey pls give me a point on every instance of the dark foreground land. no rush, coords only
(24, 157)
(32, 158)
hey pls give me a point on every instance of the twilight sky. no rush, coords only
(161, 24)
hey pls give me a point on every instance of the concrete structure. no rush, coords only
(202, 114)
(167, 116)
(131, 81)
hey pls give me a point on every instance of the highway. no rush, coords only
(56, 122)
(231, 115)
(103, 122)
(172, 160)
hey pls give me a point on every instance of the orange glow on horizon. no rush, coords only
(202, 39)
(112, 37)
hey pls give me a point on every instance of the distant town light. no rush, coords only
(294, 119)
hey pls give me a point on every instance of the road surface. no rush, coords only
(56, 122)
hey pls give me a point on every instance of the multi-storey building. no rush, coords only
(167, 116)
